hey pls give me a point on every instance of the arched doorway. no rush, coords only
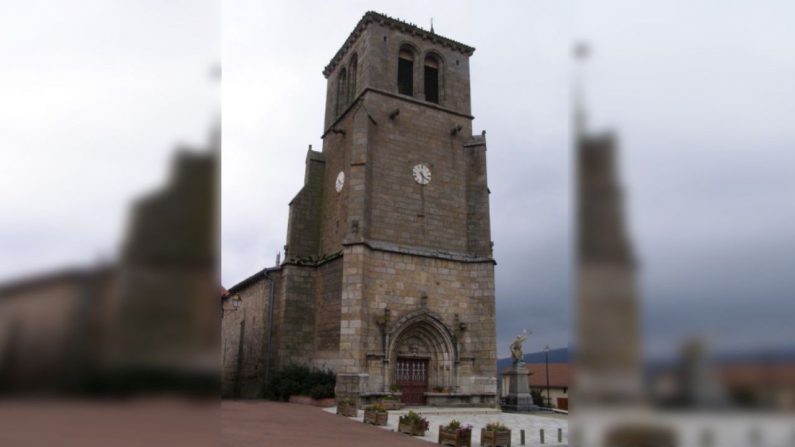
(424, 356)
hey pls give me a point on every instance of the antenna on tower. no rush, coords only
(431, 24)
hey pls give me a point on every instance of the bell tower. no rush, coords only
(398, 143)
(389, 273)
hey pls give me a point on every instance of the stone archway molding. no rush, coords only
(432, 319)
(430, 324)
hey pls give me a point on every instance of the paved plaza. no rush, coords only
(532, 424)
(264, 423)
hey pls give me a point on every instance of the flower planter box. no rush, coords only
(455, 438)
(392, 404)
(411, 429)
(495, 438)
(375, 417)
(347, 410)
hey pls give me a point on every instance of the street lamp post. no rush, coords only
(546, 358)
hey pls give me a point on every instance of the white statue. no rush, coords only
(516, 348)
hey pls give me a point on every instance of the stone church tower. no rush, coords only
(608, 367)
(388, 276)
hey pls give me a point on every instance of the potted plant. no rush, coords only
(455, 434)
(495, 434)
(347, 407)
(375, 414)
(391, 403)
(413, 424)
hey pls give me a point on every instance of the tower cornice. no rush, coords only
(409, 28)
(420, 102)
(389, 247)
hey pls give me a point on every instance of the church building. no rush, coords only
(388, 274)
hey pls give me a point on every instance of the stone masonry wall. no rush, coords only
(377, 51)
(477, 196)
(296, 323)
(244, 338)
(303, 229)
(327, 308)
(403, 211)
(399, 281)
(381, 71)
(333, 222)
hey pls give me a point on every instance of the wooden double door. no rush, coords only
(411, 375)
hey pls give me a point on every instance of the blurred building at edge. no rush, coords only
(147, 322)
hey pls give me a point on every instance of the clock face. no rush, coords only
(421, 174)
(340, 181)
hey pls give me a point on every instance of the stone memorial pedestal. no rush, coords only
(518, 398)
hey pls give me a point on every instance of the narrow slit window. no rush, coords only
(431, 79)
(342, 95)
(352, 78)
(406, 72)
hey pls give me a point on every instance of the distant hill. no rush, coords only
(559, 355)
(759, 356)
(771, 356)
(774, 355)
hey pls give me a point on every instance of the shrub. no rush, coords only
(453, 425)
(294, 380)
(496, 426)
(390, 398)
(322, 392)
(415, 420)
(377, 407)
(456, 426)
(538, 397)
(394, 388)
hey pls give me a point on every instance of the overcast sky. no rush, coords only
(94, 95)
(700, 96)
(274, 96)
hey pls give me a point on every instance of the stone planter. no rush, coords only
(375, 417)
(456, 438)
(495, 438)
(392, 404)
(411, 429)
(347, 410)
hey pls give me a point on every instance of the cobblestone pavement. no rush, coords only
(532, 424)
(150, 422)
(272, 424)
(725, 428)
